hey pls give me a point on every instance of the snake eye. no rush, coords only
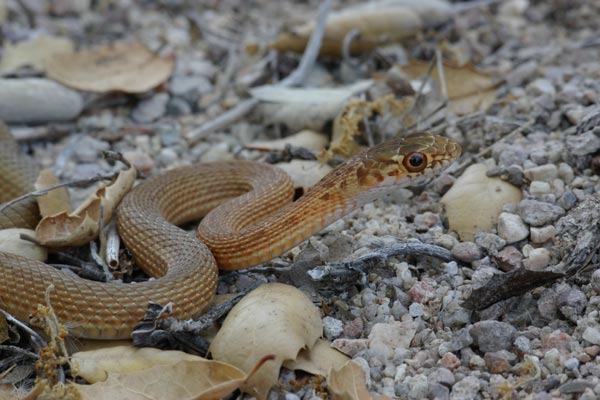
(415, 162)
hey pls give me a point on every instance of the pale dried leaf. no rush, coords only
(347, 122)
(35, 52)
(300, 108)
(475, 201)
(96, 365)
(11, 242)
(318, 360)
(128, 67)
(305, 138)
(378, 22)
(350, 383)
(82, 225)
(305, 173)
(55, 201)
(468, 89)
(184, 380)
(273, 319)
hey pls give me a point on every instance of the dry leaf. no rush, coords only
(273, 319)
(378, 22)
(318, 360)
(11, 242)
(128, 67)
(143, 373)
(468, 89)
(35, 52)
(82, 225)
(346, 124)
(305, 173)
(55, 201)
(475, 201)
(350, 383)
(300, 108)
(95, 365)
(305, 138)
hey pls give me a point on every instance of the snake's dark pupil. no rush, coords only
(416, 160)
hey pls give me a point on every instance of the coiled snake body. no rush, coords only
(252, 220)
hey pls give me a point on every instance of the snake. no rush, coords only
(248, 216)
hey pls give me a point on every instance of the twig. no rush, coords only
(36, 340)
(96, 257)
(418, 96)
(296, 78)
(346, 271)
(348, 39)
(113, 244)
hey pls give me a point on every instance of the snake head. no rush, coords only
(409, 161)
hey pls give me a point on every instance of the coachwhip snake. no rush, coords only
(258, 223)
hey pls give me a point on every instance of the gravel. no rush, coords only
(402, 318)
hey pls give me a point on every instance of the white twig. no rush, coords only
(113, 243)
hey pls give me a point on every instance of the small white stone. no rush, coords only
(538, 259)
(332, 327)
(543, 234)
(511, 227)
(544, 173)
(565, 172)
(416, 310)
(538, 188)
(592, 335)
(572, 363)
(541, 86)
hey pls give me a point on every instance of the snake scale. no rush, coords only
(249, 218)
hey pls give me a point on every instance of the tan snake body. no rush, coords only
(253, 222)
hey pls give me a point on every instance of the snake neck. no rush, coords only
(236, 245)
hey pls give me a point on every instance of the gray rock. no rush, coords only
(416, 310)
(571, 303)
(538, 213)
(596, 280)
(544, 173)
(571, 363)
(512, 155)
(456, 316)
(88, 149)
(492, 336)
(567, 200)
(178, 106)
(575, 386)
(540, 87)
(537, 259)
(442, 375)
(151, 109)
(438, 391)
(35, 100)
(191, 88)
(332, 327)
(465, 389)
(467, 252)
(508, 258)
(543, 234)
(583, 144)
(418, 387)
(523, 344)
(489, 242)
(459, 340)
(511, 227)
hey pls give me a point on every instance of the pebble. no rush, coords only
(508, 258)
(571, 363)
(350, 347)
(539, 213)
(583, 144)
(456, 316)
(34, 100)
(537, 259)
(567, 200)
(571, 303)
(450, 361)
(151, 109)
(565, 172)
(499, 362)
(540, 87)
(416, 310)
(442, 375)
(543, 234)
(332, 327)
(88, 149)
(492, 335)
(544, 173)
(190, 88)
(596, 280)
(419, 387)
(385, 338)
(489, 242)
(422, 291)
(552, 361)
(465, 389)
(467, 252)
(523, 344)
(354, 328)
(539, 188)
(459, 340)
(511, 228)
